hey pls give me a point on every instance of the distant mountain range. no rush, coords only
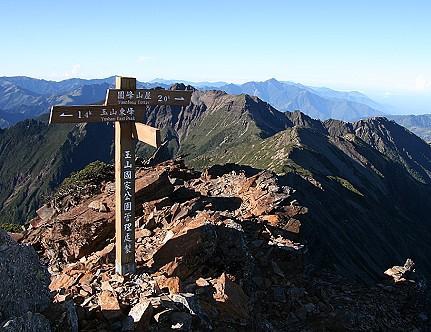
(195, 84)
(24, 97)
(319, 103)
(418, 124)
(367, 183)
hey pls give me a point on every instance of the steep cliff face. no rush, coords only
(370, 203)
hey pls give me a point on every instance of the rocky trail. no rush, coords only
(219, 250)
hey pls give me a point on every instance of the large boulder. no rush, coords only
(23, 284)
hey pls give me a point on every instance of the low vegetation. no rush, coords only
(90, 176)
(346, 184)
(8, 227)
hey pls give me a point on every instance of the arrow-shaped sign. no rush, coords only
(62, 114)
(151, 97)
(96, 113)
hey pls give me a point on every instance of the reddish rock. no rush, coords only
(293, 225)
(197, 240)
(152, 184)
(74, 234)
(60, 298)
(173, 284)
(106, 286)
(16, 236)
(36, 222)
(261, 205)
(104, 207)
(294, 210)
(401, 273)
(201, 282)
(273, 219)
(91, 234)
(232, 303)
(61, 281)
(87, 288)
(46, 212)
(248, 183)
(106, 251)
(95, 205)
(109, 305)
(142, 232)
(188, 249)
(170, 268)
(117, 278)
(186, 242)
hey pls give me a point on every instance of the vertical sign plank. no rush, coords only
(125, 189)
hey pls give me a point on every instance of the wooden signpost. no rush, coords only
(124, 105)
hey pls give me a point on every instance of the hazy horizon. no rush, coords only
(398, 103)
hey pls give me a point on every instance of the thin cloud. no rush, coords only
(73, 72)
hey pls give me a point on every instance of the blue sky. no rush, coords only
(382, 47)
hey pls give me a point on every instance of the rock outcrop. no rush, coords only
(401, 273)
(215, 250)
(24, 292)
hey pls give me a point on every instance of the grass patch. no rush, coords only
(346, 184)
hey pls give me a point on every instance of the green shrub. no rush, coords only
(13, 228)
(85, 182)
(95, 173)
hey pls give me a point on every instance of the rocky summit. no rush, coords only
(285, 222)
(222, 249)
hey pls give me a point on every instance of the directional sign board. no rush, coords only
(124, 105)
(96, 113)
(148, 97)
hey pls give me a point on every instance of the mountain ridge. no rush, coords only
(320, 103)
(283, 96)
(34, 97)
(366, 184)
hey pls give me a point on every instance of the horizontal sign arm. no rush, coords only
(96, 113)
(150, 97)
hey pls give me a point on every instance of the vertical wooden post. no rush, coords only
(125, 189)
